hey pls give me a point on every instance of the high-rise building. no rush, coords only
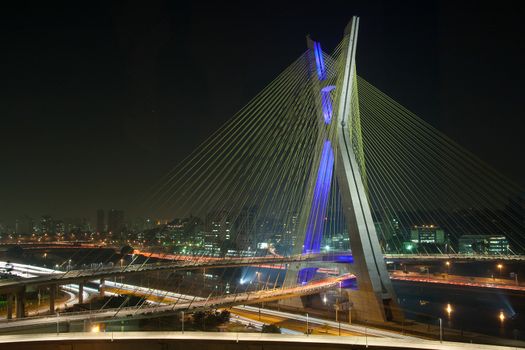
(427, 234)
(59, 227)
(115, 221)
(484, 244)
(47, 225)
(101, 221)
(218, 230)
(290, 232)
(245, 229)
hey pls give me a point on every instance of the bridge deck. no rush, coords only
(159, 340)
(79, 276)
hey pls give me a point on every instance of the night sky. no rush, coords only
(101, 99)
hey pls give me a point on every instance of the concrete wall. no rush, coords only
(217, 341)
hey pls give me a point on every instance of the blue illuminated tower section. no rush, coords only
(337, 159)
(318, 211)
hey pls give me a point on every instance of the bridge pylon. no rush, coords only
(342, 155)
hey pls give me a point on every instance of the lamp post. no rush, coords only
(307, 326)
(500, 267)
(440, 330)
(336, 306)
(447, 264)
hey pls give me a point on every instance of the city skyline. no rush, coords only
(65, 155)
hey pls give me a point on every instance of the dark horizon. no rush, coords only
(100, 101)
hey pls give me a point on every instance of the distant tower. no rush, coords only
(115, 221)
(101, 221)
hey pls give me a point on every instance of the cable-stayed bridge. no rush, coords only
(320, 158)
(80, 276)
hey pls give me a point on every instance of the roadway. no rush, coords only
(162, 301)
(196, 304)
(452, 257)
(222, 340)
(256, 316)
(177, 302)
(171, 257)
(456, 280)
(80, 276)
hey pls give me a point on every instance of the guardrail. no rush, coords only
(479, 257)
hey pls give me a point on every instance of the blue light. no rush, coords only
(316, 220)
(349, 283)
(326, 103)
(306, 274)
(319, 61)
(344, 258)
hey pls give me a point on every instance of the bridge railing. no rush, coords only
(453, 257)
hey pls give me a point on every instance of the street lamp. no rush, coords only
(440, 330)
(500, 267)
(258, 275)
(448, 309)
(501, 316)
(307, 326)
(448, 267)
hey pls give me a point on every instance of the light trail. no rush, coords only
(185, 302)
(457, 281)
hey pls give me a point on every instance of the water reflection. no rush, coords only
(485, 312)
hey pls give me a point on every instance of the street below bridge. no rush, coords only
(457, 280)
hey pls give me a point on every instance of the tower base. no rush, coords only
(368, 306)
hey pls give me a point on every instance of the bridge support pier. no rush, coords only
(21, 303)
(101, 287)
(375, 298)
(52, 297)
(80, 292)
(10, 300)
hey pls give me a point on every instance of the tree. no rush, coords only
(224, 316)
(210, 319)
(15, 251)
(125, 250)
(271, 328)
(198, 319)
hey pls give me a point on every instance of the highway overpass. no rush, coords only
(226, 340)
